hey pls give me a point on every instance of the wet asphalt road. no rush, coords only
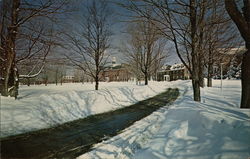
(77, 137)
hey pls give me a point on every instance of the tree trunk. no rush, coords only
(194, 53)
(196, 78)
(56, 79)
(209, 82)
(242, 21)
(201, 81)
(209, 75)
(46, 82)
(146, 78)
(15, 83)
(4, 90)
(201, 76)
(56, 76)
(10, 75)
(245, 80)
(28, 81)
(96, 83)
(196, 90)
(61, 78)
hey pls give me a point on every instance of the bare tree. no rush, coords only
(89, 43)
(242, 21)
(146, 47)
(183, 23)
(217, 42)
(132, 56)
(15, 16)
(57, 68)
(79, 75)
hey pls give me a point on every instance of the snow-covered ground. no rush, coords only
(42, 106)
(214, 129)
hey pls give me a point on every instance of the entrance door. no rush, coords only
(166, 78)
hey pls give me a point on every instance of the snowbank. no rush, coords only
(214, 129)
(40, 107)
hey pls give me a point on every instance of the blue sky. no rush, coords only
(119, 17)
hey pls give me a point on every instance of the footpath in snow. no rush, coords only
(42, 106)
(214, 129)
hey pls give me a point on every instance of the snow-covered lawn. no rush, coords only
(214, 129)
(42, 106)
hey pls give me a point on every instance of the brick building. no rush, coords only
(116, 73)
(174, 72)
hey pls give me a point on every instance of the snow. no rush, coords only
(42, 106)
(214, 129)
(177, 67)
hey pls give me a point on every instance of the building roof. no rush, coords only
(177, 67)
(232, 51)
